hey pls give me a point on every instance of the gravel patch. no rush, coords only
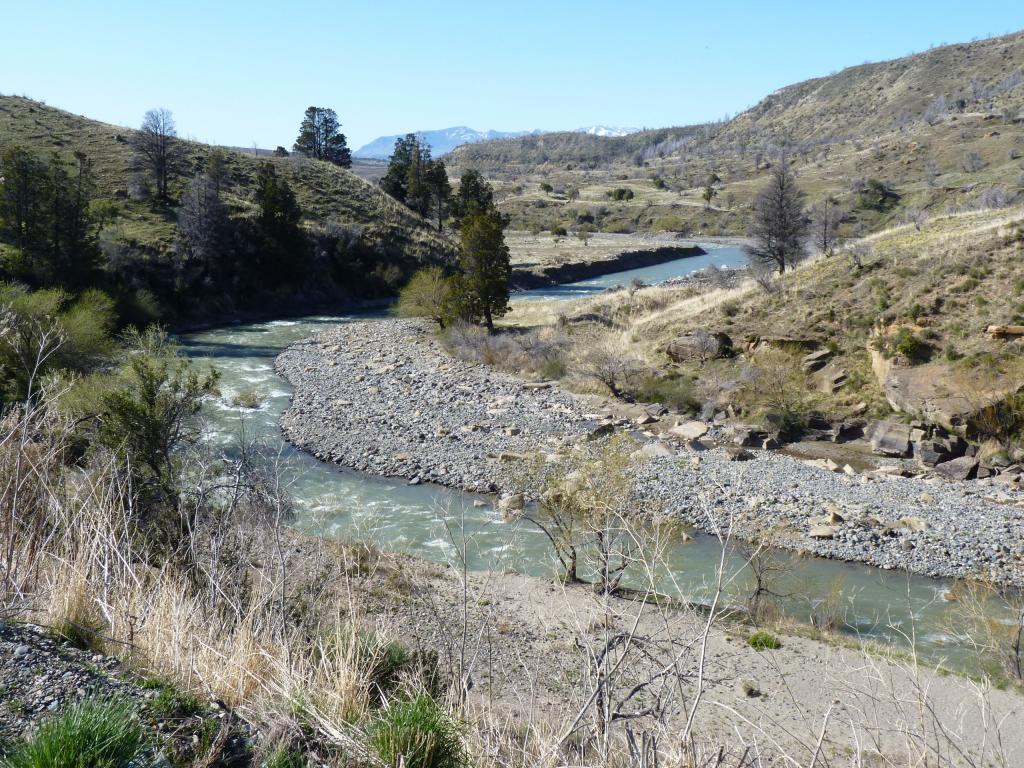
(383, 397)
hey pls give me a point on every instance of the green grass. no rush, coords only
(97, 733)
(418, 734)
(764, 641)
(327, 194)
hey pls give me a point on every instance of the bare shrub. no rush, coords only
(773, 388)
(972, 162)
(611, 366)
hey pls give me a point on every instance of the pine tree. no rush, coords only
(474, 196)
(320, 137)
(485, 264)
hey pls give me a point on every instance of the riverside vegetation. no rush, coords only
(157, 608)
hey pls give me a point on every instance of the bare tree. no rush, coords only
(780, 225)
(157, 149)
(936, 111)
(825, 218)
(931, 171)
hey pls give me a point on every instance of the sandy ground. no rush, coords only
(527, 647)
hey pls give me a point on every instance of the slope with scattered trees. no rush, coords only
(182, 231)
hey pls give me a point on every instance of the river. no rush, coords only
(435, 523)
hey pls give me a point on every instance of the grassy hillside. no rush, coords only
(332, 199)
(873, 98)
(567, 150)
(925, 296)
(873, 121)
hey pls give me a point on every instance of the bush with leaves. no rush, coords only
(42, 332)
(147, 411)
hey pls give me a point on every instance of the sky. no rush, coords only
(241, 74)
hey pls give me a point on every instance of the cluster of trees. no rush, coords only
(133, 398)
(239, 239)
(476, 289)
(418, 181)
(50, 215)
(320, 138)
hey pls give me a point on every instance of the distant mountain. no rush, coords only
(441, 141)
(607, 130)
(444, 140)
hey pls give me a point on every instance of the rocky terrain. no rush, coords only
(383, 397)
(41, 674)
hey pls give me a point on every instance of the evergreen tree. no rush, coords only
(320, 137)
(474, 196)
(485, 265)
(396, 180)
(282, 244)
(46, 213)
(440, 190)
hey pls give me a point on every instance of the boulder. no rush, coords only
(930, 452)
(657, 410)
(511, 502)
(603, 430)
(829, 379)
(656, 449)
(689, 430)
(888, 438)
(735, 453)
(937, 392)
(816, 360)
(645, 419)
(748, 437)
(699, 345)
(822, 532)
(963, 468)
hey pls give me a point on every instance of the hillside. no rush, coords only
(509, 158)
(880, 121)
(873, 98)
(381, 233)
(441, 141)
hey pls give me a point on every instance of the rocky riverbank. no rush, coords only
(383, 397)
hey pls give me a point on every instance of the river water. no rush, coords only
(436, 524)
(717, 255)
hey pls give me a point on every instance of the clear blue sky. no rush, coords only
(242, 73)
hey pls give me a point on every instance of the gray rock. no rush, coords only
(699, 345)
(963, 468)
(889, 438)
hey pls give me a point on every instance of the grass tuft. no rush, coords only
(97, 733)
(764, 641)
(418, 734)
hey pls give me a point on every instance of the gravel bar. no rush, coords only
(383, 397)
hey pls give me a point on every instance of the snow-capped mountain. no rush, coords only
(607, 130)
(441, 141)
(444, 140)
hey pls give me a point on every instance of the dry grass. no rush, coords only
(948, 278)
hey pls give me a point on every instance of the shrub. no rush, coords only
(774, 389)
(764, 641)
(418, 734)
(559, 231)
(426, 294)
(97, 733)
(673, 391)
(621, 193)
